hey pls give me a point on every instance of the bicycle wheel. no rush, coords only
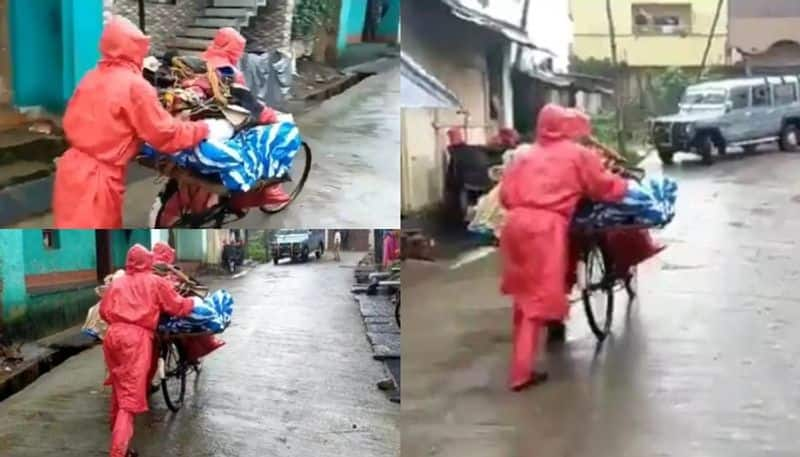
(173, 382)
(598, 293)
(298, 175)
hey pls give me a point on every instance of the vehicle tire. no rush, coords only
(598, 291)
(173, 385)
(789, 139)
(667, 156)
(275, 260)
(306, 152)
(707, 143)
(305, 254)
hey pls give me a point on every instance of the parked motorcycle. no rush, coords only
(232, 256)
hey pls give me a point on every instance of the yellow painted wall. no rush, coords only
(591, 35)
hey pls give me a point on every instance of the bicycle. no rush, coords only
(173, 368)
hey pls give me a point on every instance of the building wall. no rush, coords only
(48, 289)
(389, 28)
(190, 245)
(122, 240)
(272, 28)
(592, 38)
(162, 22)
(53, 43)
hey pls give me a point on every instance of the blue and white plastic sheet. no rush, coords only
(212, 314)
(258, 153)
(650, 203)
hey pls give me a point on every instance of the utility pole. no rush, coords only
(710, 40)
(618, 100)
(141, 16)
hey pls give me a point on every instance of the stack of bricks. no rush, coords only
(163, 22)
(272, 28)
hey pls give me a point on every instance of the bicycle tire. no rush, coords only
(306, 149)
(601, 329)
(171, 351)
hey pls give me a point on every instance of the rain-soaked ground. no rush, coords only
(705, 363)
(296, 379)
(355, 176)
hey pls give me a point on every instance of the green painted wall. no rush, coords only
(76, 251)
(53, 44)
(22, 252)
(190, 244)
(351, 21)
(12, 274)
(390, 25)
(122, 240)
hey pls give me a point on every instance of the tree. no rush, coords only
(618, 100)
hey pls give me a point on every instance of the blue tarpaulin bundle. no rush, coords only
(262, 152)
(213, 314)
(648, 203)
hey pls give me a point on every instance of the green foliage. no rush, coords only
(257, 252)
(668, 87)
(312, 16)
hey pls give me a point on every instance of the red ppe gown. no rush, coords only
(113, 109)
(199, 346)
(131, 306)
(540, 193)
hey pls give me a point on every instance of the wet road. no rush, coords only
(296, 379)
(355, 176)
(705, 363)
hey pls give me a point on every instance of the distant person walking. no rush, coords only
(337, 246)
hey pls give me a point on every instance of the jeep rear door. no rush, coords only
(763, 116)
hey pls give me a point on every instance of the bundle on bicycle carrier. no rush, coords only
(212, 314)
(255, 153)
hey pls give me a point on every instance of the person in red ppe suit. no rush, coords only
(196, 347)
(540, 192)
(131, 306)
(226, 50)
(114, 109)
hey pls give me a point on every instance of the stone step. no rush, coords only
(200, 32)
(182, 42)
(216, 22)
(239, 13)
(239, 3)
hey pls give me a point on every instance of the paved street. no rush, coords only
(354, 181)
(705, 363)
(296, 379)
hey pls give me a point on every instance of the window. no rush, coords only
(51, 239)
(740, 97)
(661, 19)
(785, 93)
(761, 96)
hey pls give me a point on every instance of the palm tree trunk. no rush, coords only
(618, 96)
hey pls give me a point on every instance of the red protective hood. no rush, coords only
(557, 123)
(123, 43)
(163, 253)
(226, 49)
(139, 260)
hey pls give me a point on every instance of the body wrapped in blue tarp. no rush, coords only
(649, 203)
(212, 314)
(258, 153)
